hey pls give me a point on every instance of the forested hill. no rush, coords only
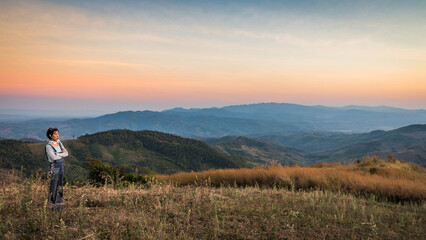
(407, 143)
(257, 150)
(161, 152)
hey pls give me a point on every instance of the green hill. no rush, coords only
(258, 151)
(407, 143)
(161, 152)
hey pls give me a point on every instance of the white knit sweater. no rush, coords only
(52, 155)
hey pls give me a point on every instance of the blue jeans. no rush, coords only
(56, 173)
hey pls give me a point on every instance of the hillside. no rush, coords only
(161, 152)
(407, 143)
(389, 180)
(165, 211)
(168, 153)
(368, 199)
(258, 151)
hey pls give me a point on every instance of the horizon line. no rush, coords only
(102, 112)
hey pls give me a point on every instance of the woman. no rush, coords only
(55, 152)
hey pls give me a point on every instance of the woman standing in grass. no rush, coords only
(55, 152)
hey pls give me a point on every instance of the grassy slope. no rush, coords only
(391, 180)
(164, 211)
(313, 203)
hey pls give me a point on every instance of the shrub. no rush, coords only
(103, 173)
(131, 177)
(373, 170)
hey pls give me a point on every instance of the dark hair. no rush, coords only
(50, 131)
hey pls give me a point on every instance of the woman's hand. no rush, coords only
(63, 150)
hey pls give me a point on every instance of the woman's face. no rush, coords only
(55, 136)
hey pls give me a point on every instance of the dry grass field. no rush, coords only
(390, 180)
(373, 199)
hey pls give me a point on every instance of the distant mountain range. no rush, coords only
(238, 120)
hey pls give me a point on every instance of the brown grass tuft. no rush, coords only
(396, 181)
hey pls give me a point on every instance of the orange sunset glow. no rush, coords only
(198, 55)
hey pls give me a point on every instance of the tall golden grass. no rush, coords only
(393, 181)
(165, 211)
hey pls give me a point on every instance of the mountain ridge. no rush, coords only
(244, 120)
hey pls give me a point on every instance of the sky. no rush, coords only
(108, 56)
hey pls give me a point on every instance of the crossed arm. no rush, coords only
(56, 155)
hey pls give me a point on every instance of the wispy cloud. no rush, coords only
(281, 48)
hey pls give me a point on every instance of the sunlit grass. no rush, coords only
(167, 211)
(386, 180)
(272, 202)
